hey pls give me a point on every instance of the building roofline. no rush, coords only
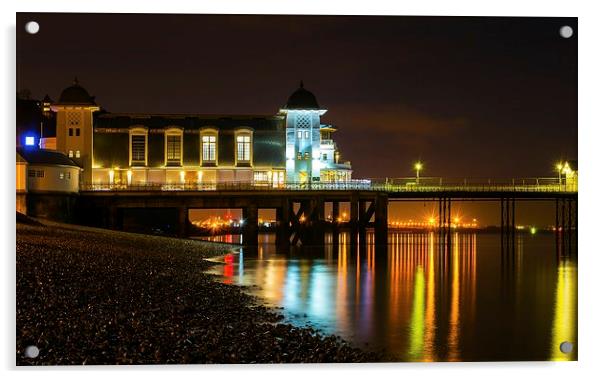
(189, 115)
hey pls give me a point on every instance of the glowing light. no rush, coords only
(111, 176)
(565, 310)
(182, 176)
(129, 176)
(532, 230)
(30, 141)
(417, 318)
(418, 167)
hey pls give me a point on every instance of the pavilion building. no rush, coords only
(127, 149)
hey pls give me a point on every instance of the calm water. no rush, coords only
(418, 300)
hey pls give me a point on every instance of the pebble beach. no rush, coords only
(88, 296)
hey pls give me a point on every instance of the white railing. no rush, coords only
(397, 185)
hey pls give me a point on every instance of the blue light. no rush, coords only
(30, 141)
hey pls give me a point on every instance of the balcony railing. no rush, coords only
(397, 185)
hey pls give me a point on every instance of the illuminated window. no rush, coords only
(70, 153)
(77, 154)
(173, 147)
(306, 134)
(299, 156)
(306, 155)
(299, 134)
(61, 175)
(209, 147)
(138, 150)
(138, 146)
(243, 148)
(260, 176)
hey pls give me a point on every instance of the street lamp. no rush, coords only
(559, 168)
(418, 167)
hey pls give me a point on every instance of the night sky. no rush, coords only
(470, 97)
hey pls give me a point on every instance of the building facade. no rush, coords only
(46, 181)
(126, 149)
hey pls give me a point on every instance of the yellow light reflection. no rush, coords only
(417, 318)
(454, 316)
(429, 337)
(565, 312)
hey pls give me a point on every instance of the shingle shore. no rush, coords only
(93, 296)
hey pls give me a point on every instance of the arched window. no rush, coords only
(138, 146)
(173, 146)
(209, 147)
(244, 147)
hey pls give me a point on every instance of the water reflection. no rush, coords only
(564, 327)
(423, 300)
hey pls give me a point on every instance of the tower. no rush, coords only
(74, 126)
(302, 136)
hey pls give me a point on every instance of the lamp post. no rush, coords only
(559, 167)
(418, 167)
(566, 170)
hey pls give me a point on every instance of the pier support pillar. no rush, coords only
(335, 222)
(566, 225)
(283, 222)
(353, 219)
(317, 222)
(250, 230)
(362, 223)
(381, 223)
(182, 222)
(507, 224)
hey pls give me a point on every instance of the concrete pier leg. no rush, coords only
(317, 223)
(283, 231)
(182, 222)
(362, 223)
(381, 222)
(250, 230)
(335, 222)
(353, 219)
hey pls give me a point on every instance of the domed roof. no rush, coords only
(76, 94)
(302, 99)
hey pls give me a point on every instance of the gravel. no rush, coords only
(93, 296)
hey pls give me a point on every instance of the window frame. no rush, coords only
(209, 132)
(243, 132)
(171, 132)
(138, 131)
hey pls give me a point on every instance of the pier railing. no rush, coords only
(391, 185)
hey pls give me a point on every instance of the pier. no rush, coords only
(300, 207)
